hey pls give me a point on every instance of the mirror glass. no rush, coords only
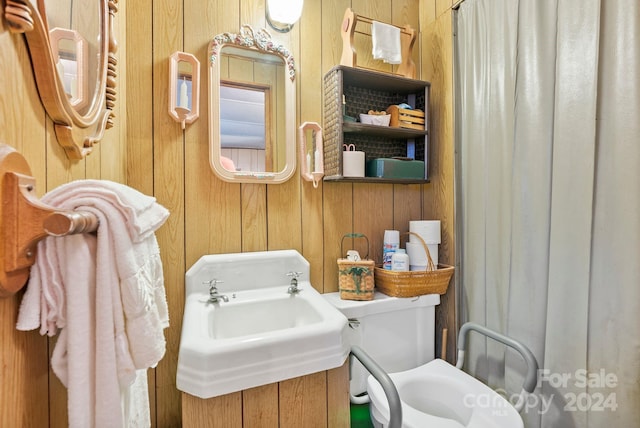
(73, 57)
(245, 136)
(69, 49)
(252, 108)
(184, 85)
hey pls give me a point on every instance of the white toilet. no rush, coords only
(398, 333)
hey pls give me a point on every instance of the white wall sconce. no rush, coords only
(312, 154)
(184, 88)
(282, 14)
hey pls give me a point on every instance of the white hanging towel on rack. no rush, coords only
(386, 42)
(105, 295)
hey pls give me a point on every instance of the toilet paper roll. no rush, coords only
(352, 164)
(429, 230)
(417, 255)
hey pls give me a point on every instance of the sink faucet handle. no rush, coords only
(212, 283)
(293, 287)
(294, 275)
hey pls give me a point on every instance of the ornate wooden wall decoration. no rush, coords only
(77, 125)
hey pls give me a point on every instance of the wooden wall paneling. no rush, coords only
(403, 12)
(303, 402)
(93, 162)
(58, 404)
(284, 216)
(23, 355)
(338, 221)
(309, 73)
(260, 406)
(332, 14)
(338, 406)
(254, 217)
(24, 400)
(442, 6)
(253, 13)
(439, 194)
(169, 181)
(22, 117)
(135, 54)
(218, 412)
(372, 215)
(214, 207)
(138, 67)
(407, 205)
(60, 169)
(427, 16)
(24, 361)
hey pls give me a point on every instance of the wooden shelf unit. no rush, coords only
(365, 90)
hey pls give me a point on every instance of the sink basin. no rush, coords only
(273, 311)
(262, 334)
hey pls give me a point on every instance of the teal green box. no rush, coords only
(395, 168)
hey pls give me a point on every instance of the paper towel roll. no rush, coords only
(352, 164)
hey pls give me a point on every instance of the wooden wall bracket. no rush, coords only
(349, 55)
(24, 221)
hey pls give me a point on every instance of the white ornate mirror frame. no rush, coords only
(258, 41)
(77, 129)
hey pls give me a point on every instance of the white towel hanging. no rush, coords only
(386, 42)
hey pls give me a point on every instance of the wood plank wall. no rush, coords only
(30, 394)
(150, 152)
(437, 67)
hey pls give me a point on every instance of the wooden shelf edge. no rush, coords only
(340, 178)
(385, 131)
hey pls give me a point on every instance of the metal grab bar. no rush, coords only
(390, 390)
(531, 378)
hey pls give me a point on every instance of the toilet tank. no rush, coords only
(398, 333)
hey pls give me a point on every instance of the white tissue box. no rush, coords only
(376, 119)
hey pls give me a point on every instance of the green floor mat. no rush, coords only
(360, 416)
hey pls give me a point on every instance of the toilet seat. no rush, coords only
(438, 395)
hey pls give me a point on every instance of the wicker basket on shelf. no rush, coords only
(435, 280)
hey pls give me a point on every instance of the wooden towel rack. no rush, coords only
(25, 220)
(349, 55)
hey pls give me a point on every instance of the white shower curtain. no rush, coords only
(548, 201)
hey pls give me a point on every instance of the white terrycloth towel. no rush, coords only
(107, 297)
(386, 42)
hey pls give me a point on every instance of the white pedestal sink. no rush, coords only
(262, 334)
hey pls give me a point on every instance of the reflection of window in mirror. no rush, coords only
(245, 128)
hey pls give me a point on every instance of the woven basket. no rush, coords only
(435, 280)
(355, 278)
